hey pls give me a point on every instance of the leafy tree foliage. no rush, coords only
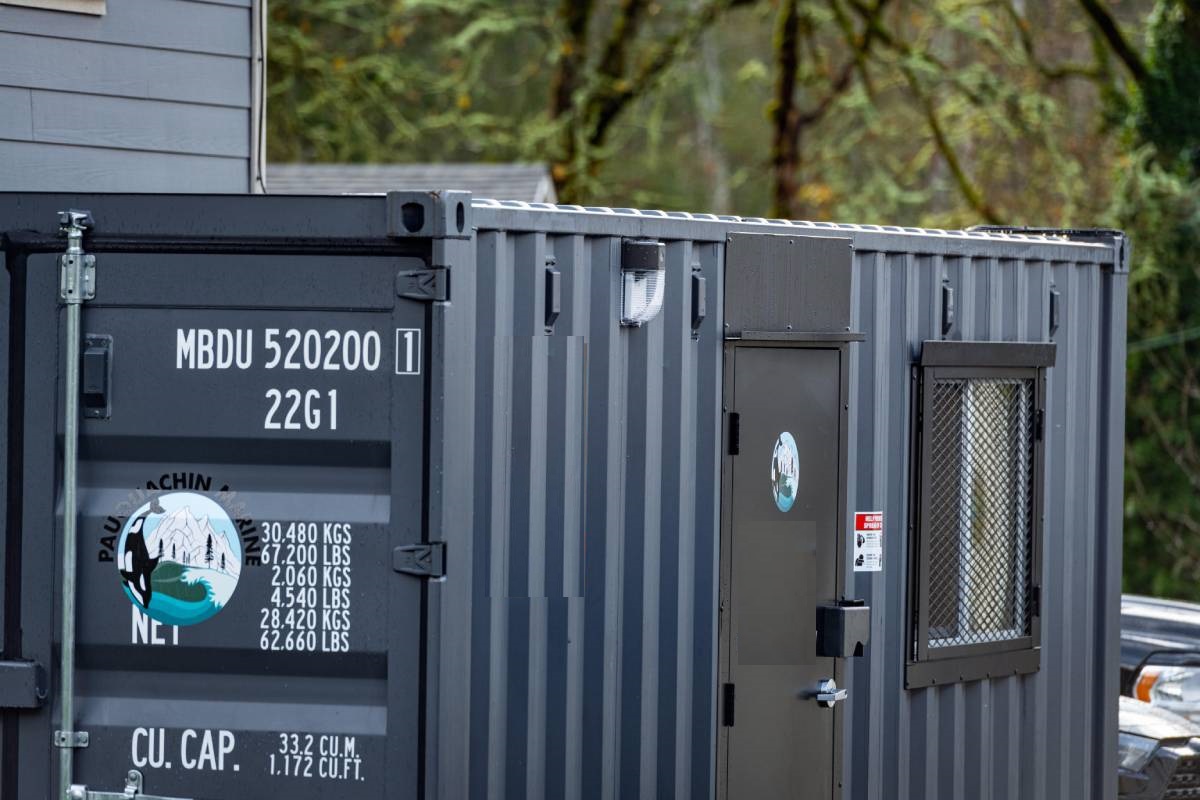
(1159, 204)
(927, 112)
(1168, 111)
(472, 79)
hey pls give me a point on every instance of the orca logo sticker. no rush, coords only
(785, 471)
(179, 558)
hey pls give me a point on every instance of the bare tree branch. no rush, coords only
(1058, 72)
(859, 44)
(966, 187)
(1108, 26)
(788, 120)
(613, 97)
(576, 16)
(586, 106)
(624, 30)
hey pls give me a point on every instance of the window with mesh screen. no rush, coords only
(978, 471)
(980, 525)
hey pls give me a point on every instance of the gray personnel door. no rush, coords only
(780, 561)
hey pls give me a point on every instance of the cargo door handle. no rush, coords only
(828, 693)
(553, 294)
(96, 374)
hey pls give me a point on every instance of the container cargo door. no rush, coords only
(251, 484)
(780, 563)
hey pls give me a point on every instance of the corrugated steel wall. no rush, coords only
(593, 627)
(1050, 734)
(592, 645)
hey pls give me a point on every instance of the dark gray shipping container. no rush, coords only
(462, 533)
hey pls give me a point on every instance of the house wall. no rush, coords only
(152, 96)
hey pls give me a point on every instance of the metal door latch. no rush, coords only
(77, 270)
(133, 789)
(828, 693)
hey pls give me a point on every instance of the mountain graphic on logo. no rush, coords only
(186, 539)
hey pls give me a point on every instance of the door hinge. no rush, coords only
(134, 783)
(1039, 424)
(727, 694)
(22, 684)
(426, 560)
(1035, 601)
(428, 285)
(735, 433)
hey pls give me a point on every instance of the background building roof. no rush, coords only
(528, 182)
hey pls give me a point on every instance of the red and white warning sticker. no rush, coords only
(868, 541)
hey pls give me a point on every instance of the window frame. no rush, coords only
(936, 666)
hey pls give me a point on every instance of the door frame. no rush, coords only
(796, 341)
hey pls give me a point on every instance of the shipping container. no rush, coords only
(414, 495)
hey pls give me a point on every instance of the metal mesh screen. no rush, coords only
(980, 524)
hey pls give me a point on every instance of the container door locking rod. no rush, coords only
(133, 791)
(77, 283)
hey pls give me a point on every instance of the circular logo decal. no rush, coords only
(785, 471)
(179, 557)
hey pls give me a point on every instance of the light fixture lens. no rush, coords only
(1133, 752)
(1175, 689)
(641, 296)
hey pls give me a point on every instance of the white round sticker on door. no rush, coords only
(785, 471)
(180, 557)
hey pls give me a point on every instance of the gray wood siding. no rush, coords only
(53, 167)
(16, 114)
(153, 96)
(165, 127)
(164, 24)
(101, 69)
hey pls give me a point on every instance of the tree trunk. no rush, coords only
(785, 117)
(575, 16)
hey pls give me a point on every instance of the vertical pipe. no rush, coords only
(73, 292)
(70, 456)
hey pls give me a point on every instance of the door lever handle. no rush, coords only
(828, 693)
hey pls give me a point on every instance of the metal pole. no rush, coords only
(77, 285)
(70, 457)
